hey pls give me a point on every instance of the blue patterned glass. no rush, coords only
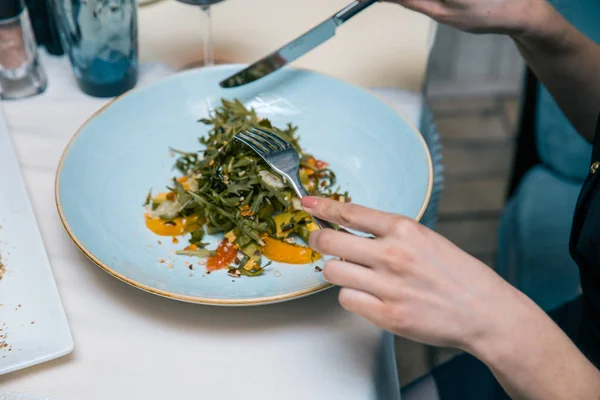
(100, 37)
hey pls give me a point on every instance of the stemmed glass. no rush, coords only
(205, 7)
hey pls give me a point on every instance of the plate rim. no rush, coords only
(211, 301)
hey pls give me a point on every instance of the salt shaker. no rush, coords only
(21, 74)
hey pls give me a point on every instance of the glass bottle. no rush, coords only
(21, 74)
(101, 39)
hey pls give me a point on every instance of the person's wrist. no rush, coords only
(505, 325)
(542, 24)
(486, 307)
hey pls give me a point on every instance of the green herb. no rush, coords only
(197, 237)
(200, 253)
(224, 189)
(251, 273)
(148, 198)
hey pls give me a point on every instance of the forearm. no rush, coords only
(533, 359)
(567, 63)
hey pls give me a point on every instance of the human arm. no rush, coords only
(563, 59)
(413, 282)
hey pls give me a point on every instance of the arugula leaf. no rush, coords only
(200, 253)
(197, 237)
(148, 198)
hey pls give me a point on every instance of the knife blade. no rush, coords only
(297, 47)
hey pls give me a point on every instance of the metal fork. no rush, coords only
(281, 156)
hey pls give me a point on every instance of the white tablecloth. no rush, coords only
(133, 345)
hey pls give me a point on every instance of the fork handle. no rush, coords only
(301, 192)
(321, 223)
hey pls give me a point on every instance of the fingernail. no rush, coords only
(310, 202)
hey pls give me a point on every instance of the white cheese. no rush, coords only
(271, 179)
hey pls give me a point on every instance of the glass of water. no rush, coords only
(101, 39)
(206, 22)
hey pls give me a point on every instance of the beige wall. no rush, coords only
(385, 45)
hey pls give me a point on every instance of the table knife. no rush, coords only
(296, 48)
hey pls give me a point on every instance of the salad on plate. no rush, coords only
(227, 189)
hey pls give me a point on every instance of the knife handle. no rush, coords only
(353, 9)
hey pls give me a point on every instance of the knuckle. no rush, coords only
(405, 227)
(330, 271)
(328, 209)
(396, 257)
(321, 241)
(345, 299)
(440, 15)
(398, 318)
(346, 214)
(399, 225)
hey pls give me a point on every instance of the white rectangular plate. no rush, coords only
(20, 396)
(33, 323)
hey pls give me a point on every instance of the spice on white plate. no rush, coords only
(4, 346)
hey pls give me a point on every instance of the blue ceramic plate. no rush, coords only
(123, 150)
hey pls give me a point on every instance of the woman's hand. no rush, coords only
(484, 16)
(410, 280)
(413, 282)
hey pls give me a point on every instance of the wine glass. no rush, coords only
(205, 8)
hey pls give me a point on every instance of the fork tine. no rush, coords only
(252, 144)
(274, 136)
(265, 141)
(256, 143)
(271, 136)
